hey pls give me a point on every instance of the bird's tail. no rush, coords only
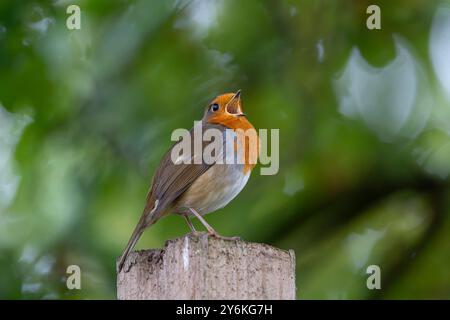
(148, 218)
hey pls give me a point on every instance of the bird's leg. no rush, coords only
(191, 226)
(210, 229)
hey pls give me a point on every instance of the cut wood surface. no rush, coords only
(205, 267)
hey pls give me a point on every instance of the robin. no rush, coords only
(195, 189)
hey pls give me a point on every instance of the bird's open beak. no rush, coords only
(234, 106)
(238, 96)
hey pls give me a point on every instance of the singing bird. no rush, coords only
(195, 189)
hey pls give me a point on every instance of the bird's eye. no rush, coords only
(214, 107)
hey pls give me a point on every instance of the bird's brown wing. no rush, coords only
(172, 180)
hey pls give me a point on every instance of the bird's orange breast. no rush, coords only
(247, 137)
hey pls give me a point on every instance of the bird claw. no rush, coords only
(218, 236)
(196, 233)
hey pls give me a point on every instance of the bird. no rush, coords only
(198, 188)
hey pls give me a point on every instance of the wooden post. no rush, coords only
(204, 267)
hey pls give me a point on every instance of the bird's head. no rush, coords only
(224, 109)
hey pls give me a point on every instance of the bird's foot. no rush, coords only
(218, 236)
(196, 233)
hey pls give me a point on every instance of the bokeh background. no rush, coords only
(364, 119)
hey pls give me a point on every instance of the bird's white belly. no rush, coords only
(214, 189)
